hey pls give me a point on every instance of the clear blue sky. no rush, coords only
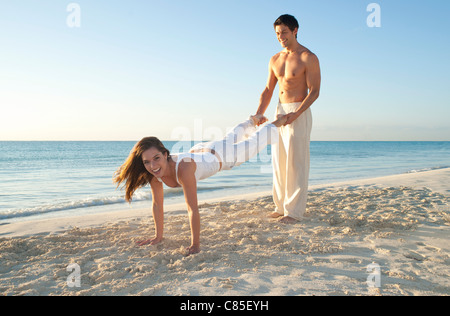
(141, 68)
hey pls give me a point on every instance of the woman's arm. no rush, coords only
(186, 177)
(158, 213)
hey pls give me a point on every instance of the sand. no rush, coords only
(399, 223)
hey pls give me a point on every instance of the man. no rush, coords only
(297, 71)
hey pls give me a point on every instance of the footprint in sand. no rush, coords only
(415, 255)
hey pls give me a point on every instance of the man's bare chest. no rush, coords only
(289, 68)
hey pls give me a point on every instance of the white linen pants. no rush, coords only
(242, 143)
(290, 159)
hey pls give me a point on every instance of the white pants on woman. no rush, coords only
(242, 143)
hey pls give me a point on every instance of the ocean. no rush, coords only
(41, 179)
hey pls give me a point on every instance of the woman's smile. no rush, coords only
(156, 172)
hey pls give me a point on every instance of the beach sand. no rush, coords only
(400, 223)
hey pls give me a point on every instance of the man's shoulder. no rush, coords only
(276, 56)
(306, 53)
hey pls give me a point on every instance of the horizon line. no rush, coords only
(203, 141)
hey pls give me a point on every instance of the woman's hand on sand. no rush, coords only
(153, 241)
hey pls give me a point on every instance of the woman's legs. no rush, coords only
(244, 142)
(240, 132)
(235, 135)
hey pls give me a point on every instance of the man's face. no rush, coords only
(285, 36)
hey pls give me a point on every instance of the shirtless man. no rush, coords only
(297, 71)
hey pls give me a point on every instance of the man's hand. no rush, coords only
(259, 119)
(291, 117)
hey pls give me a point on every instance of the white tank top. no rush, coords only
(207, 164)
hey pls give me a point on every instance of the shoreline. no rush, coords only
(398, 224)
(437, 180)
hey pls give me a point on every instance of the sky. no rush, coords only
(192, 69)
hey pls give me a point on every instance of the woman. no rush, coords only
(150, 162)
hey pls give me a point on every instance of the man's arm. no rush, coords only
(313, 79)
(266, 96)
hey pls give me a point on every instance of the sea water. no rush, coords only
(49, 178)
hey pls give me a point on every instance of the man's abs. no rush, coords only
(290, 93)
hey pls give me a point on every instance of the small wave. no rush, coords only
(139, 196)
(61, 206)
(427, 169)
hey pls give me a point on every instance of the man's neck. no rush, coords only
(294, 48)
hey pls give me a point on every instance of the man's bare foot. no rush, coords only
(280, 121)
(274, 215)
(258, 119)
(193, 249)
(152, 242)
(288, 220)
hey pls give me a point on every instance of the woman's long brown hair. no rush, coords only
(132, 172)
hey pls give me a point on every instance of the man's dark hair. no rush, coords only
(288, 20)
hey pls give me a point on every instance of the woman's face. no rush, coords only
(155, 162)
